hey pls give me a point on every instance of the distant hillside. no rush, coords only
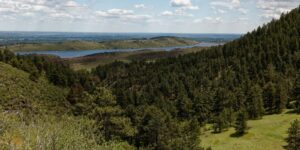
(118, 44)
(18, 92)
(92, 61)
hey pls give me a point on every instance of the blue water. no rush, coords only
(76, 53)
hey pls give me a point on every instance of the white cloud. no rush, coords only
(122, 14)
(243, 19)
(183, 4)
(219, 10)
(243, 10)
(46, 9)
(64, 10)
(177, 13)
(167, 13)
(236, 2)
(210, 20)
(141, 6)
(273, 8)
(182, 12)
(114, 13)
(227, 4)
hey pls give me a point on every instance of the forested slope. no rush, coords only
(258, 73)
(18, 92)
(162, 105)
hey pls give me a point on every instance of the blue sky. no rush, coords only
(169, 16)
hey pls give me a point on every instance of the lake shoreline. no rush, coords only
(81, 53)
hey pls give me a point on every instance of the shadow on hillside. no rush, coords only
(237, 135)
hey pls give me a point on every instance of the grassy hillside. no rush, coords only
(90, 45)
(33, 115)
(18, 92)
(265, 134)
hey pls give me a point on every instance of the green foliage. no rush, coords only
(255, 103)
(296, 93)
(159, 105)
(293, 138)
(220, 122)
(269, 97)
(241, 123)
(45, 132)
(109, 117)
(17, 92)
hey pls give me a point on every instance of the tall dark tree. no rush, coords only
(269, 94)
(241, 123)
(293, 138)
(296, 93)
(255, 103)
(109, 117)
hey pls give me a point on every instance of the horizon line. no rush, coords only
(119, 32)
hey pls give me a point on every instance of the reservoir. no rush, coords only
(80, 53)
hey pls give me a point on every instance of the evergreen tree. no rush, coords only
(293, 138)
(110, 118)
(156, 128)
(296, 93)
(281, 97)
(255, 103)
(241, 123)
(269, 94)
(221, 122)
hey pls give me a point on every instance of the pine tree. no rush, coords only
(296, 94)
(293, 138)
(241, 123)
(255, 103)
(109, 116)
(269, 94)
(281, 97)
(221, 122)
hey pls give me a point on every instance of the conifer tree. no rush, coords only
(241, 123)
(293, 138)
(109, 116)
(296, 94)
(269, 95)
(255, 103)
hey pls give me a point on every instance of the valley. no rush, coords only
(242, 94)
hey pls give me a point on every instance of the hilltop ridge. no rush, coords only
(115, 44)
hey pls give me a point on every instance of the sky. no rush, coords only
(155, 16)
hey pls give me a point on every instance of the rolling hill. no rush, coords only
(18, 92)
(117, 44)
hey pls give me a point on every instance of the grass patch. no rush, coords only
(265, 134)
